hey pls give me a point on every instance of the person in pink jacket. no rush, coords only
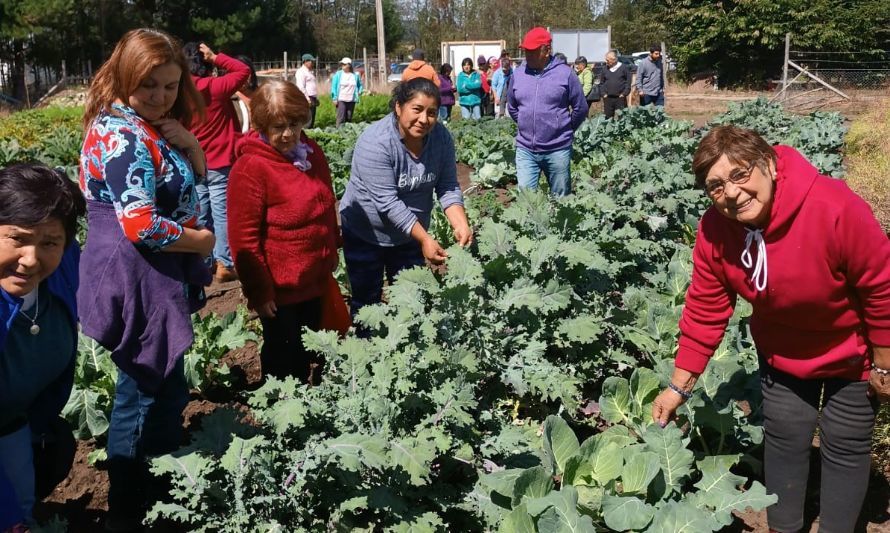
(812, 260)
(217, 135)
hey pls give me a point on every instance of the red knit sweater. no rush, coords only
(282, 223)
(827, 295)
(219, 132)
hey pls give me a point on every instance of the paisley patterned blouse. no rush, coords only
(126, 162)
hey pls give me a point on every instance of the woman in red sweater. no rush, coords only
(282, 226)
(809, 255)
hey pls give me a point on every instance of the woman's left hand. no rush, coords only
(176, 134)
(879, 386)
(463, 234)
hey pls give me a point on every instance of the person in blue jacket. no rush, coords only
(346, 89)
(469, 90)
(547, 103)
(39, 257)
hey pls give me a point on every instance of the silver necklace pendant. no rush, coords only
(34, 329)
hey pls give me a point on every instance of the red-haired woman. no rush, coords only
(812, 260)
(283, 227)
(144, 273)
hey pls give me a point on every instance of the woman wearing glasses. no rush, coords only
(282, 226)
(809, 255)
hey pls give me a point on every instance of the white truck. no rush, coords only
(592, 44)
(453, 52)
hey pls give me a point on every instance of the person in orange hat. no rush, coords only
(537, 101)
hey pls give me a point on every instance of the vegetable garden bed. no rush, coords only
(510, 391)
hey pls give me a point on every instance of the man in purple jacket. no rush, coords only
(547, 103)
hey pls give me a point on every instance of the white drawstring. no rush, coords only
(760, 269)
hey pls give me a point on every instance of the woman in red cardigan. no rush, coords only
(282, 227)
(809, 255)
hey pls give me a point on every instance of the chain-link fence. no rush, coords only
(815, 79)
(845, 70)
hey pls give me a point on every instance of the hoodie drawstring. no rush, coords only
(760, 269)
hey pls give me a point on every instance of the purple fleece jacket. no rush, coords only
(137, 303)
(547, 106)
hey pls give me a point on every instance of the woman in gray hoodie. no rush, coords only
(399, 162)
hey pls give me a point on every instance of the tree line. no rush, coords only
(741, 40)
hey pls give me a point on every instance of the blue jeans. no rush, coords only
(366, 263)
(17, 462)
(445, 112)
(647, 99)
(471, 111)
(556, 165)
(212, 197)
(141, 425)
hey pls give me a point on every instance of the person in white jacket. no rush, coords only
(305, 80)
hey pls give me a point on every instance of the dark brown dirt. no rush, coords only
(223, 298)
(463, 176)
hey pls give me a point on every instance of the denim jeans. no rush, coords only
(445, 112)
(555, 165)
(141, 425)
(366, 264)
(212, 197)
(17, 462)
(845, 418)
(647, 99)
(471, 111)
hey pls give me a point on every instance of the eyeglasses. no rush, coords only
(292, 127)
(738, 176)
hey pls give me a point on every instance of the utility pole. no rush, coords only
(381, 44)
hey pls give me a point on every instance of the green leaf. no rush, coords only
(682, 517)
(463, 269)
(645, 387)
(518, 521)
(675, 459)
(560, 442)
(639, 470)
(599, 460)
(240, 452)
(616, 404)
(560, 514)
(356, 450)
(414, 456)
(623, 513)
(495, 239)
(532, 483)
(582, 329)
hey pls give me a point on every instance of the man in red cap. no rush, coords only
(547, 103)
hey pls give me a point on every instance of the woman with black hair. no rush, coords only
(399, 162)
(39, 258)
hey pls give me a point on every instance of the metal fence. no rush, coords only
(815, 79)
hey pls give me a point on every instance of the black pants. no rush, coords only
(791, 412)
(344, 112)
(612, 104)
(313, 107)
(283, 353)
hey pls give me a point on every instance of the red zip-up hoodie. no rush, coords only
(282, 223)
(826, 298)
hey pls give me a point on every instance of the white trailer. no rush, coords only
(592, 44)
(453, 52)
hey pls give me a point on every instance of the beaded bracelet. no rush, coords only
(685, 395)
(881, 371)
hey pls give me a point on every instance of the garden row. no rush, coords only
(512, 391)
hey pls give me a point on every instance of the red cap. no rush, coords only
(536, 38)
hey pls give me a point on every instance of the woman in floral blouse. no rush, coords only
(143, 272)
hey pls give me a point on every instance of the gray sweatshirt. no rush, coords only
(649, 78)
(389, 190)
